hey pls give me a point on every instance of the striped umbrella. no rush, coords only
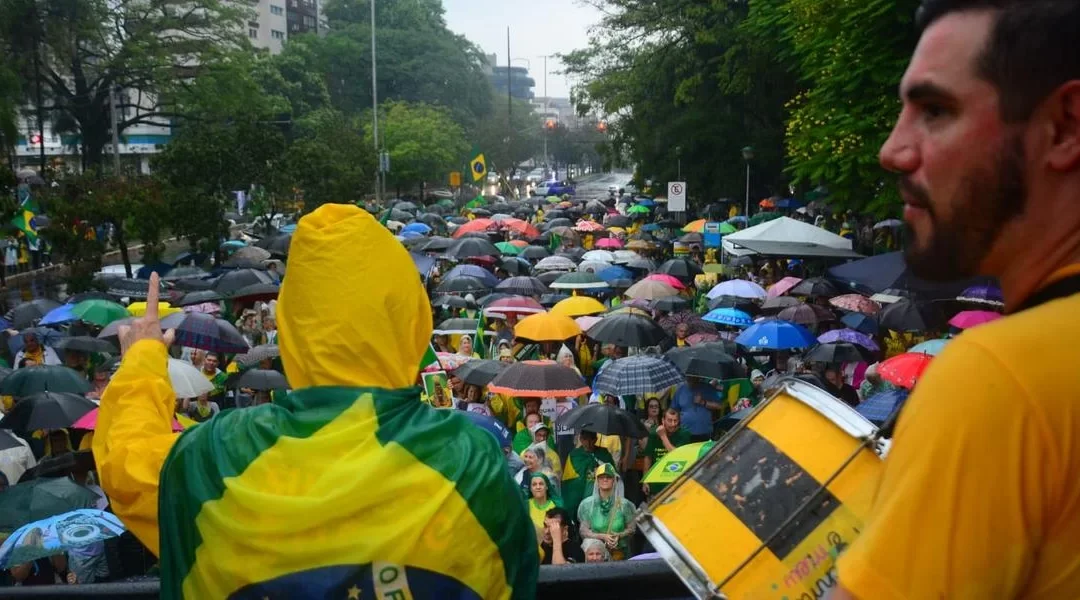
(539, 379)
(205, 332)
(634, 375)
(578, 281)
(258, 354)
(522, 286)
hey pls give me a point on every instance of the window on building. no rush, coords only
(254, 24)
(309, 21)
(276, 10)
(277, 35)
(253, 34)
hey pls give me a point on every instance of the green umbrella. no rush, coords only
(41, 498)
(637, 209)
(46, 378)
(99, 312)
(508, 249)
(445, 202)
(762, 217)
(553, 199)
(726, 228)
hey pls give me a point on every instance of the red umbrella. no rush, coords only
(668, 279)
(856, 303)
(781, 287)
(588, 226)
(518, 226)
(513, 305)
(906, 369)
(539, 379)
(475, 226)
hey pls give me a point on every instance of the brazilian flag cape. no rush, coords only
(353, 546)
(579, 475)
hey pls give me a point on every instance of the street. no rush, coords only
(595, 185)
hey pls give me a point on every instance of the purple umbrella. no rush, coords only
(983, 294)
(205, 332)
(850, 336)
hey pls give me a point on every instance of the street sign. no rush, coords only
(384, 162)
(455, 179)
(676, 196)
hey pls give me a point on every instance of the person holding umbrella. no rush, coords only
(34, 353)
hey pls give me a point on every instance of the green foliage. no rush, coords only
(424, 142)
(506, 143)
(330, 161)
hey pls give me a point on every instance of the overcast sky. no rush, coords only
(536, 28)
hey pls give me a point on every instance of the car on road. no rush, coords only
(612, 189)
(554, 188)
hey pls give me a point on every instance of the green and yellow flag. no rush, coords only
(24, 219)
(478, 165)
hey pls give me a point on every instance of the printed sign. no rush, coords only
(676, 196)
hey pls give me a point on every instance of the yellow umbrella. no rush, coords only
(138, 309)
(546, 327)
(578, 306)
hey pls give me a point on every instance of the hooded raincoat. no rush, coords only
(348, 487)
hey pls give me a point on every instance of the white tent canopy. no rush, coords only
(784, 230)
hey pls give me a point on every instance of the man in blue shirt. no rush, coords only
(695, 400)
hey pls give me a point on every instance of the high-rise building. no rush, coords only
(520, 83)
(275, 20)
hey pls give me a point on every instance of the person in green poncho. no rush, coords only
(541, 499)
(607, 515)
(580, 470)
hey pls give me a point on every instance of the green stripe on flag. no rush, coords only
(478, 339)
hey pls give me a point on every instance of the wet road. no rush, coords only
(595, 185)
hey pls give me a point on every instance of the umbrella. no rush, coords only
(546, 327)
(85, 343)
(113, 329)
(635, 262)
(550, 300)
(739, 288)
(634, 375)
(697, 226)
(777, 304)
(888, 223)
(983, 294)
(599, 256)
(861, 323)
(46, 410)
(257, 355)
(260, 379)
(705, 362)
(973, 318)
(535, 252)
(673, 464)
(931, 347)
(468, 247)
(577, 306)
(513, 305)
(670, 304)
(878, 408)
(493, 426)
(515, 266)
(58, 534)
(9, 440)
(43, 378)
(838, 352)
(28, 313)
(192, 285)
(479, 371)
(746, 305)
(762, 217)
(601, 418)
(815, 287)
(637, 209)
(686, 317)
(187, 380)
(522, 286)
(474, 271)
(278, 244)
(587, 321)
(849, 336)
(435, 244)
(783, 286)
(205, 332)
(232, 281)
(776, 335)
(508, 249)
(905, 369)
(856, 303)
(609, 243)
(627, 330)
(539, 379)
(180, 273)
(650, 290)
(44, 335)
(462, 285)
(476, 226)
(99, 312)
(267, 291)
(729, 316)
(668, 279)
(593, 266)
(418, 227)
(555, 263)
(61, 314)
(578, 281)
(135, 289)
(806, 314)
(138, 309)
(40, 499)
(884, 271)
(681, 268)
(906, 315)
(199, 297)
(249, 253)
(456, 327)
(617, 221)
(692, 238)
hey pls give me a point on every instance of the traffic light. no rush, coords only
(35, 139)
(549, 124)
(601, 126)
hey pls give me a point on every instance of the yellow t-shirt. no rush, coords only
(980, 496)
(613, 443)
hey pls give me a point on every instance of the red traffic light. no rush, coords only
(601, 126)
(549, 124)
(35, 139)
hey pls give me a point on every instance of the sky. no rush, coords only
(537, 27)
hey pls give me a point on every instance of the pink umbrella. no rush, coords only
(668, 279)
(856, 303)
(783, 286)
(586, 322)
(89, 421)
(514, 305)
(702, 338)
(971, 318)
(588, 226)
(608, 243)
(210, 308)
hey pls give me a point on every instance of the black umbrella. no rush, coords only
(85, 343)
(28, 381)
(270, 290)
(456, 327)
(468, 247)
(40, 499)
(806, 314)
(522, 286)
(462, 285)
(65, 465)
(549, 277)
(480, 372)
(9, 440)
(601, 418)
(779, 303)
(515, 266)
(259, 379)
(670, 303)
(575, 254)
(47, 410)
(94, 295)
(908, 315)
(409, 206)
(183, 273)
(705, 362)
(839, 352)
(815, 287)
(192, 284)
(435, 244)
(481, 212)
(627, 330)
(449, 301)
(241, 262)
(680, 268)
(549, 300)
(861, 323)
(241, 278)
(538, 379)
(534, 252)
(28, 313)
(558, 222)
(112, 330)
(199, 297)
(136, 289)
(205, 332)
(617, 221)
(278, 244)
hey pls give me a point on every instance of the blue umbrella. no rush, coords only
(47, 337)
(410, 235)
(650, 227)
(466, 270)
(931, 347)
(738, 219)
(646, 202)
(57, 316)
(290, 228)
(729, 316)
(861, 323)
(641, 374)
(159, 268)
(789, 203)
(776, 335)
(614, 272)
(879, 407)
(418, 227)
(423, 263)
(59, 534)
(492, 426)
(234, 244)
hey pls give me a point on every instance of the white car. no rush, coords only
(612, 189)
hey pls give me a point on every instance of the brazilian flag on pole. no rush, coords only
(478, 165)
(476, 202)
(24, 219)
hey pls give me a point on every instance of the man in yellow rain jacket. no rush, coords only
(348, 488)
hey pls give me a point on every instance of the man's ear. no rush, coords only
(1063, 111)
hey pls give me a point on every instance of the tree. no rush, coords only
(424, 142)
(507, 143)
(330, 160)
(82, 50)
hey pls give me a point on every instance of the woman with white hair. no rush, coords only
(595, 551)
(537, 460)
(607, 515)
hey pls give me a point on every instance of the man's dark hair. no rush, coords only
(588, 434)
(1031, 51)
(672, 411)
(560, 513)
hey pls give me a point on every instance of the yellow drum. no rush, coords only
(765, 513)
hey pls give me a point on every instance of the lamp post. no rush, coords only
(375, 111)
(748, 155)
(678, 158)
